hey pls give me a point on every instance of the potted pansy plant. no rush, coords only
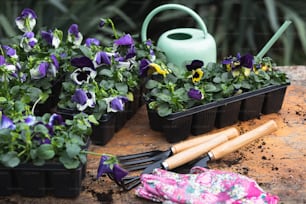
(200, 97)
(102, 81)
(43, 153)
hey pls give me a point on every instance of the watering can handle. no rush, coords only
(167, 7)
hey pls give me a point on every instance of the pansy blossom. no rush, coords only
(85, 70)
(101, 58)
(195, 94)
(243, 63)
(27, 20)
(74, 36)
(9, 69)
(52, 38)
(115, 104)
(110, 166)
(84, 99)
(40, 71)
(6, 122)
(152, 55)
(28, 41)
(146, 68)
(196, 68)
(124, 40)
(11, 52)
(91, 41)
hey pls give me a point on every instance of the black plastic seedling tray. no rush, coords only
(218, 114)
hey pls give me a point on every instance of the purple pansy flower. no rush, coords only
(151, 51)
(83, 75)
(2, 60)
(6, 122)
(143, 67)
(84, 99)
(52, 38)
(28, 41)
(85, 72)
(47, 36)
(131, 52)
(54, 61)
(30, 120)
(247, 61)
(81, 62)
(74, 36)
(9, 67)
(115, 104)
(11, 52)
(101, 58)
(27, 20)
(92, 41)
(195, 64)
(115, 170)
(40, 71)
(102, 23)
(125, 40)
(56, 119)
(195, 94)
(232, 63)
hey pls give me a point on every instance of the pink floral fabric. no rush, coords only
(202, 186)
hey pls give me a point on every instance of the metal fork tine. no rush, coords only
(135, 167)
(138, 161)
(138, 155)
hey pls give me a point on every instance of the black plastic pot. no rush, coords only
(274, 100)
(104, 132)
(39, 181)
(101, 133)
(53, 99)
(218, 114)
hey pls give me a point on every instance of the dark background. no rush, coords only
(237, 25)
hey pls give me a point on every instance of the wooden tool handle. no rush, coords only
(242, 140)
(194, 152)
(230, 133)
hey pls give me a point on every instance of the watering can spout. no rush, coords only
(183, 45)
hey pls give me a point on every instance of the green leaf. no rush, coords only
(122, 88)
(69, 163)
(40, 128)
(210, 87)
(151, 84)
(10, 159)
(45, 151)
(86, 51)
(164, 110)
(2, 99)
(217, 80)
(58, 142)
(72, 150)
(93, 119)
(164, 97)
(106, 72)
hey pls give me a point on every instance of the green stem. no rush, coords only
(34, 106)
(113, 28)
(96, 154)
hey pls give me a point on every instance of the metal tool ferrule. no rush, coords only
(165, 165)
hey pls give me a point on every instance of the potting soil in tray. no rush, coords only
(219, 114)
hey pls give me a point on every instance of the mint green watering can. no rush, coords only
(182, 45)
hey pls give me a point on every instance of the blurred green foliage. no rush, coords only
(237, 25)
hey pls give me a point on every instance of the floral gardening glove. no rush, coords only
(202, 186)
